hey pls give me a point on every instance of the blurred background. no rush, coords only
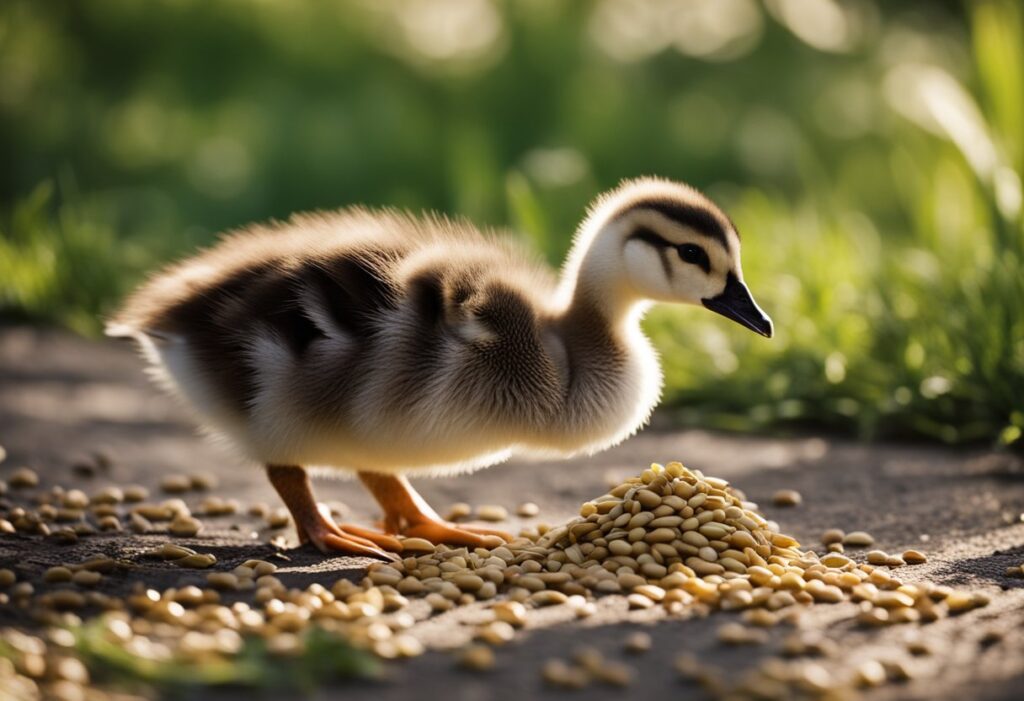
(870, 153)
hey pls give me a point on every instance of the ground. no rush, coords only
(62, 397)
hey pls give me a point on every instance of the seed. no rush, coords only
(175, 484)
(202, 481)
(458, 511)
(417, 545)
(836, 560)
(527, 509)
(385, 575)
(511, 612)
(57, 574)
(75, 499)
(787, 497)
(559, 674)
(185, 526)
(652, 592)
(739, 634)
(468, 582)
(832, 535)
(913, 557)
(135, 493)
(170, 551)
(858, 539)
(877, 557)
(278, 518)
(548, 597)
(65, 536)
(478, 658)
(638, 642)
(7, 578)
(639, 601)
(496, 632)
(492, 512)
(67, 599)
(658, 535)
(23, 478)
(86, 578)
(225, 581)
(199, 561)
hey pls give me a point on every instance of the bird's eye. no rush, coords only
(695, 255)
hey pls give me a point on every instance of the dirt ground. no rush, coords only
(62, 397)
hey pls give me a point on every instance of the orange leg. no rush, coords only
(315, 525)
(406, 512)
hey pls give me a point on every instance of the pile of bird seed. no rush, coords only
(669, 539)
(675, 538)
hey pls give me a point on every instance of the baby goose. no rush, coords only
(379, 343)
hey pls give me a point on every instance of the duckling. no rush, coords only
(387, 345)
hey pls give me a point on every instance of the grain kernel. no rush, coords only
(175, 484)
(527, 509)
(478, 658)
(858, 539)
(57, 574)
(787, 497)
(23, 478)
(637, 642)
(914, 557)
(492, 512)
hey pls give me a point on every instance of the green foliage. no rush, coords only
(323, 657)
(873, 172)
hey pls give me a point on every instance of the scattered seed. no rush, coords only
(23, 478)
(478, 658)
(527, 509)
(203, 481)
(637, 642)
(86, 578)
(135, 493)
(175, 484)
(914, 557)
(57, 574)
(832, 535)
(492, 512)
(459, 510)
(185, 526)
(787, 497)
(858, 539)
(7, 578)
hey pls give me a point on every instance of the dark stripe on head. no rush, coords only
(700, 219)
(660, 244)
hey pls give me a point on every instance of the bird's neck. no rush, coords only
(601, 314)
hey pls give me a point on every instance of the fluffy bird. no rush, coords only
(389, 345)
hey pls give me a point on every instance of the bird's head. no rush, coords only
(666, 242)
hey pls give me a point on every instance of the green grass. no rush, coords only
(876, 199)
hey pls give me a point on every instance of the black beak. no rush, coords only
(736, 303)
